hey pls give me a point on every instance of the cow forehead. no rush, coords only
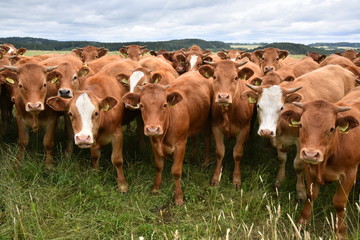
(193, 60)
(84, 105)
(271, 96)
(134, 79)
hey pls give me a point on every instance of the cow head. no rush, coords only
(270, 58)
(270, 102)
(272, 78)
(179, 62)
(30, 82)
(232, 54)
(90, 53)
(225, 76)
(85, 111)
(316, 56)
(154, 102)
(139, 77)
(134, 52)
(319, 124)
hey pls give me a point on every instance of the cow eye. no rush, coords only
(96, 56)
(96, 114)
(236, 78)
(144, 83)
(141, 105)
(70, 114)
(277, 59)
(20, 85)
(332, 130)
(300, 125)
(164, 105)
(214, 77)
(75, 77)
(282, 108)
(44, 85)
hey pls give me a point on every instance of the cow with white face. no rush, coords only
(330, 83)
(96, 118)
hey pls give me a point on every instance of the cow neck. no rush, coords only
(159, 140)
(35, 122)
(228, 111)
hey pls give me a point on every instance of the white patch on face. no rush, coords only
(269, 108)
(11, 50)
(233, 59)
(193, 61)
(86, 108)
(134, 79)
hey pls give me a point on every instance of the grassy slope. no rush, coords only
(73, 202)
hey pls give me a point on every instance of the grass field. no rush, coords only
(71, 201)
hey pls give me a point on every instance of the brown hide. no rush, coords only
(133, 52)
(349, 54)
(97, 64)
(343, 62)
(271, 59)
(316, 56)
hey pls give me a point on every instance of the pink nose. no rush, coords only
(152, 130)
(35, 106)
(266, 133)
(82, 139)
(312, 155)
(224, 98)
(268, 69)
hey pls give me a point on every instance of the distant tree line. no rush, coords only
(53, 45)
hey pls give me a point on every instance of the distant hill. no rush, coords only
(295, 48)
(46, 44)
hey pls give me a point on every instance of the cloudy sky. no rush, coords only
(305, 21)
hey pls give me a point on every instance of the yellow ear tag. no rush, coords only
(294, 123)
(343, 129)
(252, 100)
(257, 83)
(243, 77)
(10, 80)
(106, 107)
(156, 80)
(207, 75)
(125, 82)
(54, 80)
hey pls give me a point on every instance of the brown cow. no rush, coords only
(194, 58)
(232, 54)
(9, 49)
(331, 83)
(272, 59)
(231, 114)
(343, 62)
(98, 64)
(288, 72)
(170, 116)
(178, 60)
(96, 117)
(350, 54)
(316, 56)
(90, 53)
(327, 153)
(31, 88)
(133, 52)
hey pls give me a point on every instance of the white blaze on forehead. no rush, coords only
(134, 79)
(86, 108)
(233, 59)
(270, 104)
(11, 50)
(193, 61)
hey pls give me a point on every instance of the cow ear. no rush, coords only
(245, 73)
(180, 58)
(208, 59)
(173, 98)
(8, 77)
(246, 54)
(291, 117)
(256, 81)
(123, 79)
(344, 124)
(293, 97)
(102, 52)
(156, 78)
(144, 51)
(152, 52)
(283, 54)
(83, 71)
(21, 51)
(259, 54)
(206, 71)
(131, 99)
(167, 56)
(338, 53)
(251, 96)
(108, 103)
(77, 51)
(54, 77)
(289, 79)
(222, 55)
(58, 103)
(123, 51)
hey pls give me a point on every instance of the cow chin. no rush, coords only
(84, 145)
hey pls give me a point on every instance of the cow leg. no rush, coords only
(238, 153)
(23, 139)
(140, 133)
(207, 143)
(118, 161)
(176, 171)
(312, 192)
(95, 156)
(220, 152)
(282, 157)
(48, 140)
(70, 137)
(159, 164)
(300, 180)
(340, 199)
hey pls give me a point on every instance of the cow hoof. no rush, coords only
(301, 197)
(179, 202)
(237, 186)
(214, 183)
(123, 188)
(155, 191)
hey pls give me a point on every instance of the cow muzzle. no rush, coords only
(223, 99)
(153, 131)
(34, 107)
(65, 93)
(266, 133)
(268, 69)
(311, 156)
(83, 140)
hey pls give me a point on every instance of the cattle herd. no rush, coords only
(312, 103)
